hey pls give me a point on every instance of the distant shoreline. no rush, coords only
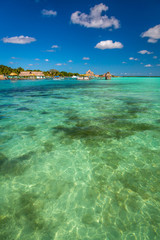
(34, 79)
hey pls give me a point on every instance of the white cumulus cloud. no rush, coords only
(145, 52)
(49, 12)
(86, 58)
(152, 33)
(158, 65)
(148, 65)
(134, 59)
(46, 60)
(95, 19)
(36, 59)
(152, 40)
(50, 50)
(19, 40)
(108, 44)
(70, 61)
(155, 57)
(55, 46)
(59, 64)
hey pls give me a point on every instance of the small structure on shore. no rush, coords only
(12, 75)
(108, 76)
(38, 74)
(32, 74)
(89, 73)
(2, 77)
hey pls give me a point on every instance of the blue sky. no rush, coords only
(122, 37)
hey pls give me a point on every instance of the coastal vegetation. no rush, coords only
(6, 71)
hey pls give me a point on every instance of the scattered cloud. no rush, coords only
(145, 52)
(123, 62)
(13, 57)
(55, 46)
(58, 64)
(141, 63)
(148, 65)
(158, 65)
(152, 33)
(46, 60)
(95, 19)
(155, 57)
(86, 58)
(51, 50)
(70, 61)
(151, 40)
(85, 63)
(37, 59)
(134, 59)
(48, 13)
(30, 64)
(19, 40)
(11, 62)
(109, 44)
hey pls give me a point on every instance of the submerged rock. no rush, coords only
(23, 109)
(3, 159)
(30, 128)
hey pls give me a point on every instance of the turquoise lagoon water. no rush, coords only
(80, 159)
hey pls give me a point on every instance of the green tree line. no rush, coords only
(8, 70)
(5, 70)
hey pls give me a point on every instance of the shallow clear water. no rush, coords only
(80, 159)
